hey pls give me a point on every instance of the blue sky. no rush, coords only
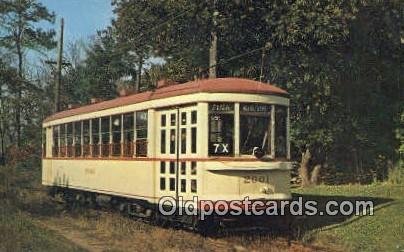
(82, 17)
(82, 20)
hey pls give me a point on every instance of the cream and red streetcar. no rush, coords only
(217, 139)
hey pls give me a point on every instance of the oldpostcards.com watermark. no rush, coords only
(170, 206)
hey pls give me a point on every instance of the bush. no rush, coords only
(396, 174)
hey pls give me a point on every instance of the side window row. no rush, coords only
(116, 135)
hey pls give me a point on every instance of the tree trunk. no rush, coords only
(19, 94)
(315, 175)
(213, 46)
(304, 168)
(139, 75)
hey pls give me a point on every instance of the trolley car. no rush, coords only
(218, 139)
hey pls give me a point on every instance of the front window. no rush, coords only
(221, 129)
(262, 130)
(255, 128)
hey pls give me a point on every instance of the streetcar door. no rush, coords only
(176, 148)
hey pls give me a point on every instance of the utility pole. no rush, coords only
(59, 68)
(262, 64)
(59, 64)
(268, 46)
(213, 44)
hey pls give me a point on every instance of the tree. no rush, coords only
(97, 74)
(133, 21)
(19, 32)
(339, 60)
(8, 75)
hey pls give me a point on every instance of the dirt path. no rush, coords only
(158, 239)
(74, 235)
(103, 231)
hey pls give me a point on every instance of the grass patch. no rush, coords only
(384, 231)
(19, 233)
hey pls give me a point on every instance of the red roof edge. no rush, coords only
(218, 85)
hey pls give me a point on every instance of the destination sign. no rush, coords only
(254, 107)
(221, 107)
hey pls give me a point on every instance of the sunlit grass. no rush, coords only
(19, 233)
(384, 231)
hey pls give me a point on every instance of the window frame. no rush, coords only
(144, 140)
(236, 132)
(232, 153)
(241, 113)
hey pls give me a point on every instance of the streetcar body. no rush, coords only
(199, 138)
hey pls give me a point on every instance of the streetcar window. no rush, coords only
(193, 186)
(172, 141)
(141, 133)
(183, 118)
(183, 185)
(116, 134)
(193, 140)
(95, 134)
(172, 167)
(193, 117)
(163, 120)
(105, 133)
(163, 141)
(77, 139)
(62, 140)
(86, 138)
(193, 168)
(55, 150)
(221, 129)
(69, 139)
(172, 119)
(183, 168)
(255, 128)
(162, 167)
(183, 141)
(128, 125)
(162, 184)
(172, 184)
(280, 132)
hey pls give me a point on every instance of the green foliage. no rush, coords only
(18, 19)
(99, 72)
(396, 174)
(400, 133)
(19, 32)
(339, 60)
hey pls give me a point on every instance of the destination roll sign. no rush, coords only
(255, 108)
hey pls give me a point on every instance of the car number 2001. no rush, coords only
(255, 179)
